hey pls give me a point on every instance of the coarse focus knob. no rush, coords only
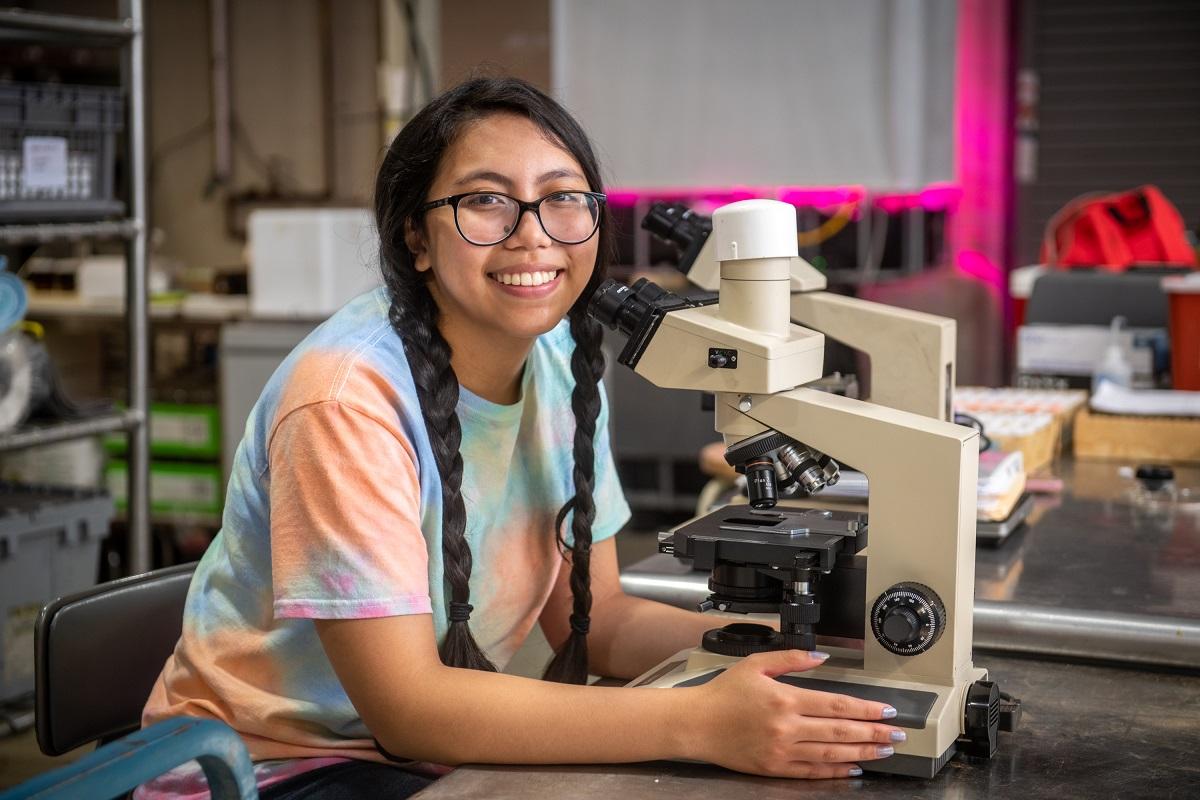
(908, 618)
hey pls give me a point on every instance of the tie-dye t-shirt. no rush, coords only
(334, 512)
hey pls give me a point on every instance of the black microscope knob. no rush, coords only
(908, 618)
(1154, 476)
(741, 639)
(981, 723)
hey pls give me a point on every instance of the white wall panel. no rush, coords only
(761, 92)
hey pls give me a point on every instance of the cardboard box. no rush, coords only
(1136, 438)
(1038, 448)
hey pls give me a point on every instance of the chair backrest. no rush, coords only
(98, 653)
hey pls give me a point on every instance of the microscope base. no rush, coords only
(931, 715)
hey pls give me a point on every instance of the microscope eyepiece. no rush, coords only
(621, 307)
(677, 223)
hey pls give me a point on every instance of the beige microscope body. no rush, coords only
(922, 469)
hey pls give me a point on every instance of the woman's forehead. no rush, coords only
(507, 146)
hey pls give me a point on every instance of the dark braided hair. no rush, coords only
(407, 172)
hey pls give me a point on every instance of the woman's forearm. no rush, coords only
(419, 708)
(630, 635)
(514, 720)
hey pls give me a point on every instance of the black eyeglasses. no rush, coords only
(487, 218)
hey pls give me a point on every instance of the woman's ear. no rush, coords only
(414, 239)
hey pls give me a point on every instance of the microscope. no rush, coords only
(894, 585)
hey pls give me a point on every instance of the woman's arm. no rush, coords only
(419, 708)
(629, 635)
(743, 719)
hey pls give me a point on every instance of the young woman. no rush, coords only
(427, 477)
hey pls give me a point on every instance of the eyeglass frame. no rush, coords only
(522, 206)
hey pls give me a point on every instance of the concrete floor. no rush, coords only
(20, 758)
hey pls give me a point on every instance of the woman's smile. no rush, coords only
(531, 281)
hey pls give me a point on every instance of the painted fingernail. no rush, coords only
(898, 736)
(885, 751)
(889, 712)
(818, 655)
(855, 772)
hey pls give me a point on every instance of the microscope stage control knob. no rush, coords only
(908, 618)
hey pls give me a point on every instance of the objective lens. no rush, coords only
(760, 483)
(833, 473)
(804, 467)
(621, 307)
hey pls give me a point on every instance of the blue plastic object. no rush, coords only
(120, 766)
(13, 300)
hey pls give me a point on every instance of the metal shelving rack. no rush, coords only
(127, 32)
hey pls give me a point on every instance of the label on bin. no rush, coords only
(45, 163)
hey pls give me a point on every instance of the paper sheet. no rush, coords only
(1113, 399)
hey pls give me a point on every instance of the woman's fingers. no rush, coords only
(846, 731)
(829, 753)
(808, 770)
(812, 703)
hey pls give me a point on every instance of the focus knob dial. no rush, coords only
(908, 618)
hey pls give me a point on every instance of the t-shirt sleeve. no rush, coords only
(612, 511)
(345, 496)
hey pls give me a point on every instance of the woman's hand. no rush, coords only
(751, 722)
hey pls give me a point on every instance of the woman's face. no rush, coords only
(503, 153)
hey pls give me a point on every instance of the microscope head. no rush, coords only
(740, 340)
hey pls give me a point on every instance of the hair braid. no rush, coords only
(570, 664)
(413, 314)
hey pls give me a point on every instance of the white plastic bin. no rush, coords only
(307, 262)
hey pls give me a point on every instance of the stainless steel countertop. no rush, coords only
(1100, 571)
(1087, 732)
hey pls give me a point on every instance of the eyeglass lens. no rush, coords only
(567, 217)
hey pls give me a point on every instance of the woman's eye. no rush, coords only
(484, 200)
(563, 198)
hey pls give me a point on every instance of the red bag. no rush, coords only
(1118, 231)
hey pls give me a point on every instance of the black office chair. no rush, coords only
(97, 654)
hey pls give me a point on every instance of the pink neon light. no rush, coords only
(982, 134)
(977, 266)
(936, 197)
(821, 197)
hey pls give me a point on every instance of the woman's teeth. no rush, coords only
(525, 278)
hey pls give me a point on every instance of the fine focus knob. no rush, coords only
(908, 618)
(901, 625)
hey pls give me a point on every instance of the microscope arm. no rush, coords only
(921, 511)
(912, 354)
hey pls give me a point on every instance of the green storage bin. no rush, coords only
(177, 489)
(178, 430)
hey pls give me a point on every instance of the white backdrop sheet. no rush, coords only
(710, 93)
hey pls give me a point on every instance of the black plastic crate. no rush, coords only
(82, 120)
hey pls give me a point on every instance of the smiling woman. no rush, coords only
(411, 497)
(499, 324)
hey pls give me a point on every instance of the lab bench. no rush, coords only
(1070, 609)
(1086, 732)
